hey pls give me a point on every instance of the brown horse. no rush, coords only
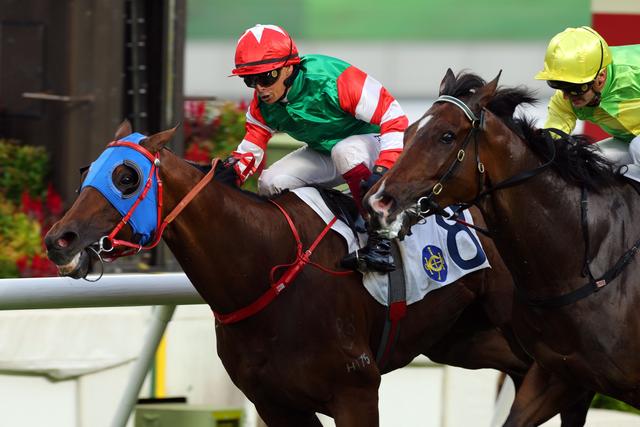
(564, 222)
(312, 349)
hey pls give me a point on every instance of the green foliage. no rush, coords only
(20, 236)
(22, 167)
(606, 402)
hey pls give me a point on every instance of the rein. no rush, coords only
(426, 205)
(593, 285)
(293, 269)
(109, 243)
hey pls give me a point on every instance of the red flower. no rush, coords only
(196, 154)
(54, 201)
(32, 206)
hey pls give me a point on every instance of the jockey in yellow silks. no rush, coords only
(596, 83)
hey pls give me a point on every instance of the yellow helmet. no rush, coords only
(575, 55)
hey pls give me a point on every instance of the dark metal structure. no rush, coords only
(70, 71)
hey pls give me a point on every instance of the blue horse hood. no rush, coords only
(145, 218)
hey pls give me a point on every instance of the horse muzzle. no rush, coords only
(77, 267)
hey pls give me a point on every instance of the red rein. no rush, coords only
(294, 268)
(277, 286)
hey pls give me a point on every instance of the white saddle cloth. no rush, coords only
(438, 252)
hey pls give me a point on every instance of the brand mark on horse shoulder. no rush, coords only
(361, 362)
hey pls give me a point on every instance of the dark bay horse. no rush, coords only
(313, 348)
(563, 220)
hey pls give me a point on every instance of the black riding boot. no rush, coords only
(375, 256)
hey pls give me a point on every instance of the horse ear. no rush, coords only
(157, 141)
(483, 95)
(448, 78)
(123, 130)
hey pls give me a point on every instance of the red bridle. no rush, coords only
(109, 243)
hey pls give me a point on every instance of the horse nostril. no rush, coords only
(383, 203)
(63, 241)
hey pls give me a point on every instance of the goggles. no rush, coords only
(263, 79)
(574, 89)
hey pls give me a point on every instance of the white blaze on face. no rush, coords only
(423, 121)
(391, 230)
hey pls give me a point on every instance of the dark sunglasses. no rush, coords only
(262, 79)
(574, 89)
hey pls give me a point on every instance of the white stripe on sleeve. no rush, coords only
(368, 99)
(256, 122)
(391, 140)
(393, 112)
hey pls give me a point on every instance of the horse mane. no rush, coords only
(577, 160)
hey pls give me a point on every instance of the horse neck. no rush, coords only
(222, 238)
(524, 216)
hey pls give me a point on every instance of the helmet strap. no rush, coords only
(294, 73)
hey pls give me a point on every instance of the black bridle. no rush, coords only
(432, 207)
(426, 205)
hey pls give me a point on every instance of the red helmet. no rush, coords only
(264, 48)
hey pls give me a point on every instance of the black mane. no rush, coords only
(577, 160)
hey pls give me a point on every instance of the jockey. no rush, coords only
(597, 83)
(352, 126)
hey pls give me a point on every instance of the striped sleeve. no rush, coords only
(365, 98)
(252, 148)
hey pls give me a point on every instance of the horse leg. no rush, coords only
(541, 396)
(576, 414)
(356, 407)
(278, 416)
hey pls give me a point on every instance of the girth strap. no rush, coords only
(396, 311)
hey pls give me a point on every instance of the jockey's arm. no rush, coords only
(251, 150)
(365, 98)
(560, 114)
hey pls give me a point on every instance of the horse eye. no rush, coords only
(126, 179)
(447, 137)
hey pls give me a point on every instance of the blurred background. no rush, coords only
(71, 71)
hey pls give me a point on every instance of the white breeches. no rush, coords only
(306, 166)
(620, 152)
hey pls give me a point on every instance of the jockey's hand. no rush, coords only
(375, 176)
(226, 172)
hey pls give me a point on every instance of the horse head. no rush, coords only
(432, 172)
(121, 182)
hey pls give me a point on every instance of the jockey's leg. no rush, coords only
(354, 158)
(301, 167)
(615, 150)
(634, 150)
(624, 155)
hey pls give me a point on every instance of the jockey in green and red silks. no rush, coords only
(352, 125)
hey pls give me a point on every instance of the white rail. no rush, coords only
(164, 290)
(116, 290)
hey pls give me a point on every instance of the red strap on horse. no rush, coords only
(134, 248)
(277, 286)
